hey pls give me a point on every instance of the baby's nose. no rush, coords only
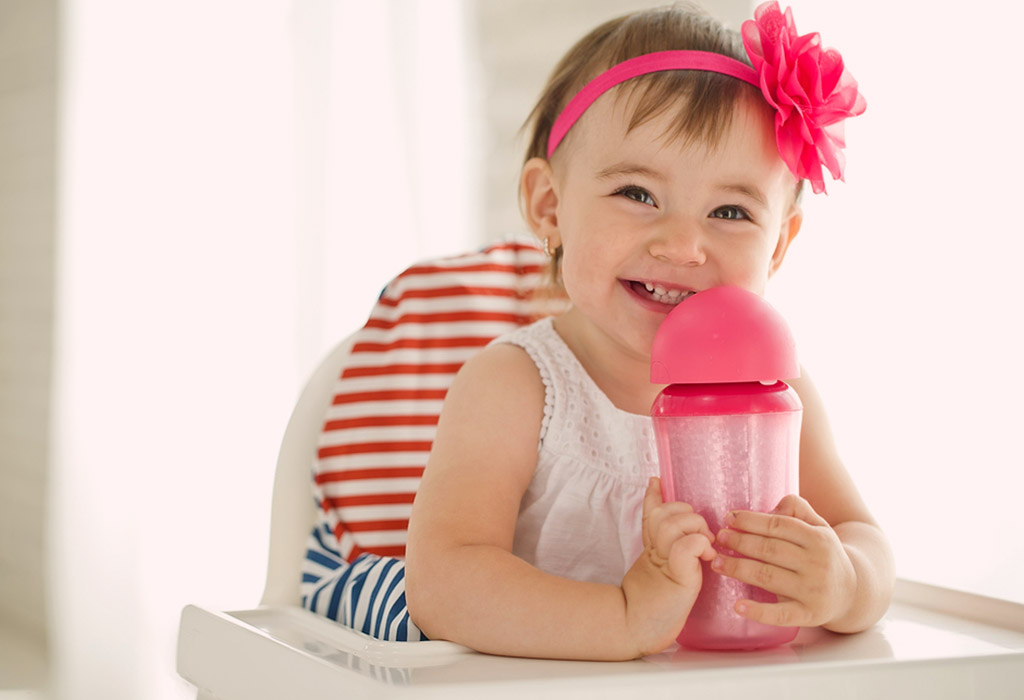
(678, 245)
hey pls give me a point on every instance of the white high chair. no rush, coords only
(933, 643)
(293, 513)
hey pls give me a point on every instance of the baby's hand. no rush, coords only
(663, 583)
(795, 554)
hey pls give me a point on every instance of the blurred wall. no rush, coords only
(28, 190)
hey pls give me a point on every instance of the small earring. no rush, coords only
(547, 247)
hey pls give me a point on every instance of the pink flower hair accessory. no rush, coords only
(810, 89)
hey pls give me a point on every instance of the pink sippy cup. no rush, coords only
(728, 434)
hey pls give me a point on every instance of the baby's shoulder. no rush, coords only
(498, 393)
(500, 364)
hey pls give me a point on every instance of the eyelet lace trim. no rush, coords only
(587, 427)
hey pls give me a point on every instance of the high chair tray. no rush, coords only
(934, 643)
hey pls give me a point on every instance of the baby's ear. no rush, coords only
(790, 227)
(539, 193)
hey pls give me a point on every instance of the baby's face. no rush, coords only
(646, 220)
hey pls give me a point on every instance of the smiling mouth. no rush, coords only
(660, 294)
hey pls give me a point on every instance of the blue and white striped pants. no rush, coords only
(367, 595)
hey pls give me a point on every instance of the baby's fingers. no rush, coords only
(771, 578)
(796, 507)
(684, 554)
(789, 613)
(678, 526)
(654, 507)
(766, 549)
(672, 525)
(652, 501)
(656, 512)
(652, 497)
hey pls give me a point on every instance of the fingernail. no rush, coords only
(716, 565)
(730, 517)
(723, 536)
(741, 608)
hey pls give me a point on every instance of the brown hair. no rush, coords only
(710, 97)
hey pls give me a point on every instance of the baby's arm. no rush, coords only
(464, 584)
(821, 551)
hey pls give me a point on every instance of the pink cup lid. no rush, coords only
(723, 334)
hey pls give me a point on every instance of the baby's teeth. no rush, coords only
(666, 296)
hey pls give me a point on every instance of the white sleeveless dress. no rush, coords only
(580, 516)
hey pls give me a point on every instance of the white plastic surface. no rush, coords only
(934, 643)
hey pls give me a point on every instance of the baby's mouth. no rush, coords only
(660, 294)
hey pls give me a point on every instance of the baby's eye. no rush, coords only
(730, 213)
(637, 194)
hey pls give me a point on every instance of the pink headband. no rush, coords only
(808, 87)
